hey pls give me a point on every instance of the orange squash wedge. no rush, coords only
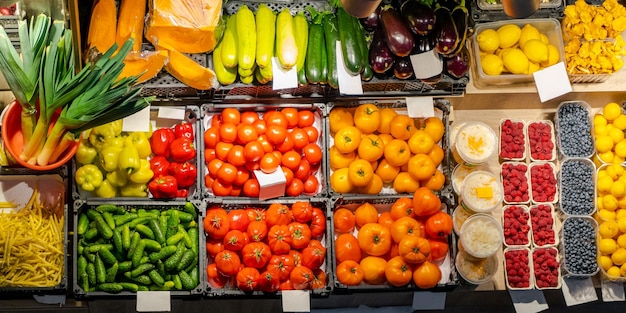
(146, 63)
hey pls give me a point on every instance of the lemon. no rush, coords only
(598, 120)
(618, 160)
(621, 204)
(533, 67)
(553, 55)
(607, 246)
(602, 172)
(608, 229)
(515, 61)
(620, 122)
(492, 64)
(488, 40)
(619, 214)
(613, 271)
(605, 262)
(617, 169)
(611, 111)
(601, 130)
(544, 38)
(527, 33)
(616, 135)
(620, 149)
(622, 270)
(604, 143)
(621, 241)
(509, 35)
(609, 202)
(536, 51)
(604, 183)
(618, 189)
(606, 215)
(619, 256)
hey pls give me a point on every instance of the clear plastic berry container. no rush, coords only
(513, 140)
(482, 192)
(543, 182)
(577, 186)
(546, 268)
(518, 269)
(516, 226)
(515, 178)
(541, 140)
(543, 225)
(579, 247)
(573, 122)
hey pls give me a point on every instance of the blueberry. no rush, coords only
(579, 246)
(574, 130)
(577, 187)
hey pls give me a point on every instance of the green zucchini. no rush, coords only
(314, 54)
(349, 42)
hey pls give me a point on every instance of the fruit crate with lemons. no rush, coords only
(375, 148)
(264, 151)
(394, 243)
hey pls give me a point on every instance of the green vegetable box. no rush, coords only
(121, 160)
(126, 247)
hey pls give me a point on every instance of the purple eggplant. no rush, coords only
(446, 34)
(403, 69)
(380, 56)
(419, 17)
(398, 36)
(424, 43)
(461, 19)
(372, 21)
(458, 65)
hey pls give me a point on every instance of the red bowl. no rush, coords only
(14, 140)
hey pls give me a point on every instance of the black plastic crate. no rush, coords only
(483, 11)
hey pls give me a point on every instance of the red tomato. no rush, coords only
(296, 256)
(234, 240)
(231, 115)
(220, 188)
(253, 151)
(257, 230)
(248, 278)
(300, 138)
(269, 163)
(214, 246)
(228, 132)
(301, 278)
(291, 114)
(319, 281)
(291, 160)
(312, 153)
(242, 176)
(251, 187)
(214, 277)
(269, 281)
(211, 137)
(282, 264)
(255, 214)
(222, 149)
(279, 239)
(277, 118)
(313, 256)
(216, 223)
(304, 170)
(227, 173)
(276, 134)
(302, 211)
(306, 118)
(286, 285)
(278, 214)
(318, 223)
(238, 219)
(249, 117)
(311, 185)
(235, 156)
(247, 133)
(295, 188)
(227, 262)
(256, 254)
(235, 190)
(300, 235)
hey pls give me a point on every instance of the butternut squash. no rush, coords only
(187, 25)
(101, 35)
(145, 63)
(130, 22)
(189, 72)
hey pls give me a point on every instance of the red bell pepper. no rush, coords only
(182, 149)
(159, 165)
(163, 187)
(184, 129)
(182, 193)
(161, 140)
(185, 173)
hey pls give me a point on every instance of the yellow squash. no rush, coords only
(130, 22)
(146, 63)
(189, 72)
(101, 35)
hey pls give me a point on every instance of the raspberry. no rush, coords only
(512, 140)
(541, 140)
(515, 182)
(543, 182)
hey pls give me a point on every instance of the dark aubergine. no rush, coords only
(380, 56)
(424, 43)
(446, 34)
(398, 36)
(403, 69)
(371, 22)
(419, 17)
(461, 19)
(458, 65)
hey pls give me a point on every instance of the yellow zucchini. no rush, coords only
(267, 73)
(286, 48)
(247, 79)
(257, 74)
(301, 34)
(246, 72)
(246, 38)
(229, 43)
(225, 76)
(266, 35)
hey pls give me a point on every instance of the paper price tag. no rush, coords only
(419, 107)
(578, 291)
(552, 82)
(348, 84)
(138, 122)
(528, 301)
(426, 64)
(296, 301)
(428, 300)
(283, 79)
(171, 113)
(612, 291)
(153, 301)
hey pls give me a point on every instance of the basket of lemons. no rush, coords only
(509, 51)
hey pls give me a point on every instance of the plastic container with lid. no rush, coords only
(482, 192)
(541, 137)
(476, 271)
(459, 216)
(481, 235)
(460, 172)
(475, 144)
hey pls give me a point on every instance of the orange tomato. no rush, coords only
(367, 118)
(291, 160)
(276, 134)
(374, 239)
(438, 249)
(373, 270)
(306, 118)
(421, 167)
(211, 137)
(425, 202)
(373, 187)
(228, 132)
(385, 219)
(230, 115)
(291, 114)
(386, 116)
(414, 249)
(438, 225)
(371, 148)
(434, 126)
(360, 172)
(436, 154)
(340, 182)
(401, 207)
(435, 182)
(339, 118)
(404, 182)
(246, 133)
(340, 160)
(273, 117)
(405, 226)
(402, 127)
(365, 213)
(347, 139)
(397, 152)
(269, 162)
(249, 117)
(386, 138)
(347, 248)
(349, 273)
(343, 220)
(421, 142)
(427, 275)
(386, 171)
(236, 156)
(398, 272)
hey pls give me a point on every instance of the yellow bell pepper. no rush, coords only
(144, 174)
(134, 190)
(103, 134)
(86, 152)
(109, 157)
(140, 142)
(117, 178)
(128, 160)
(106, 190)
(88, 177)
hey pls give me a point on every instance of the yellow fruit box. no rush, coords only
(518, 67)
